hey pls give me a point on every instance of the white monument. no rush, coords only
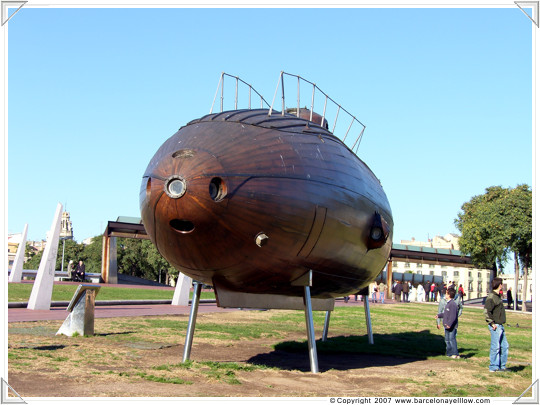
(181, 292)
(41, 295)
(16, 270)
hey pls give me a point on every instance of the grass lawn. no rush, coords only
(257, 353)
(20, 292)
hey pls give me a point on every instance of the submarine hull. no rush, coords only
(252, 201)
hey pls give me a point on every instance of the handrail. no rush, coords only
(326, 98)
(221, 84)
(281, 82)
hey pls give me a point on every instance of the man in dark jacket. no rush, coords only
(427, 289)
(80, 271)
(397, 290)
(496, 317)
(405, 287)
(509, 298)
(450, 318)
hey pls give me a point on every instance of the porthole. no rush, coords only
(217, 189)
(175, 186)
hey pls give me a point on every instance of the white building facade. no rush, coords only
(475, 282)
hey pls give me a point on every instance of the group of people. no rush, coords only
(450, 308)
(77, 274)
(377, 292)
(432, 290)
(404, 291)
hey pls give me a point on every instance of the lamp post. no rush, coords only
(63, 250)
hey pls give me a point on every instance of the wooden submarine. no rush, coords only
(268, 207)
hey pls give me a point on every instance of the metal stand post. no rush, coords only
(326, 323)
(368, 320)
(313, 361)
(192, 320)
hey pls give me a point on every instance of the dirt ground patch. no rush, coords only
(142, 357)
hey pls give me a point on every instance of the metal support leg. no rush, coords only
(313, 361)
(326, 323)
(192, 320)
(368, 320)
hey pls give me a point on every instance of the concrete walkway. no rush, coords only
(113, 311)
(144, 309)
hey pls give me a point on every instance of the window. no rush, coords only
(470, 286)
(479, 286)
(431, 266)
(407, 264)
(431, 273)
(443, 273)
(479, 274)
(456, 274)
(419, 265)
(470, 273)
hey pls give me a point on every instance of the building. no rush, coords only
(449, 241)
(429, 263)
(13, 244)
(508, 282)
(66, 232)
(66, 227)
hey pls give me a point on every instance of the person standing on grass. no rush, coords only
(397, 290)
(421, 294)
(509, 298)
(427, 289)
(450, 321)
(373, 290)
(405, 289)
(496, 318)
(442, 305)
(382, 292)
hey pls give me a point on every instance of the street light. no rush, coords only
(63, 238)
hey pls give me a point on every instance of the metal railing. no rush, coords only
(237, 80)
(281, 82)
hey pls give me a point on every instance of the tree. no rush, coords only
(518, 209)
(73, 251)
(34, 258)
(140, 258)
(480, 223)
(92, 255)
(495, 224)
(158, 262)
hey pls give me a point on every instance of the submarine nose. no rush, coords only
(183, 194)
(184, 199)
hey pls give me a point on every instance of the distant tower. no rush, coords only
(66, 228)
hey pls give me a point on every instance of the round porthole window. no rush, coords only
(175, 186)
(217, 189)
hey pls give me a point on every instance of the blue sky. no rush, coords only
(445, 95)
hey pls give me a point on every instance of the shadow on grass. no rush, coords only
(351, 352)
(52, 347)
(114, 333)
